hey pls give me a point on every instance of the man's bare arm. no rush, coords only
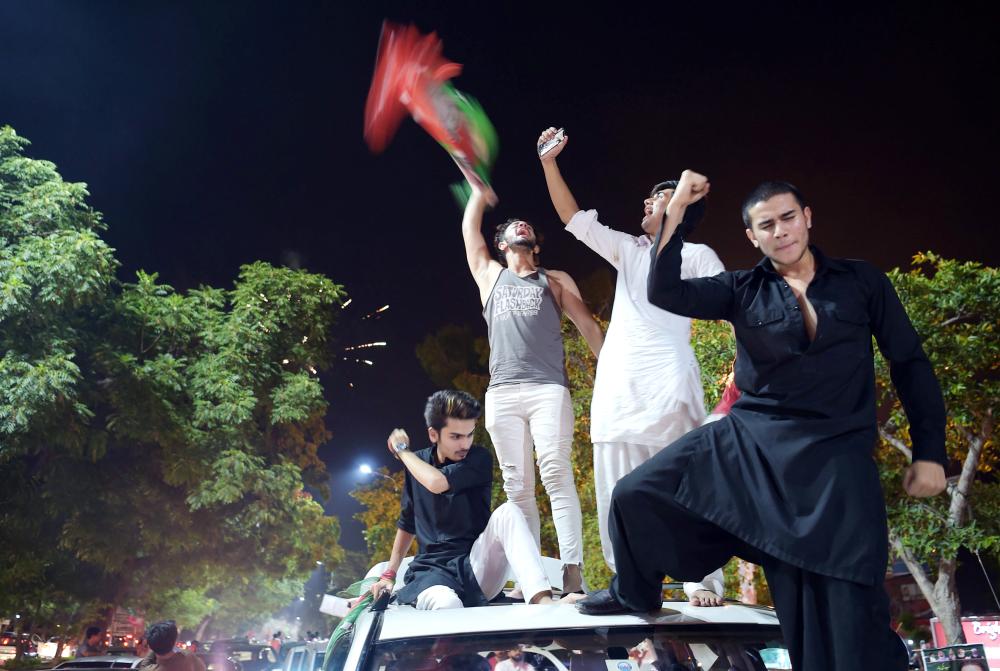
(562, 198)
(568, 296)
(431, 478)
(400, 546)
(483, 267)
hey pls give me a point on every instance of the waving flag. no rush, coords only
(412, 77)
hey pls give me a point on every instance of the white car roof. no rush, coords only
(401, 622)
(101, 662)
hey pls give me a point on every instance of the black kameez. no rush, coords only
(787, 479)
(446, 525)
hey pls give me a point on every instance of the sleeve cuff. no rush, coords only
(581, 221)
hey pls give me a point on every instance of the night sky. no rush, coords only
(214, 134)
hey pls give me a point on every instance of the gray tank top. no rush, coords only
(524, 329)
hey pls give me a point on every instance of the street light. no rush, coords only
(365, 469)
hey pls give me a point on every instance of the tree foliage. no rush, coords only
(380, 499)
(953, 306)
(156, 442)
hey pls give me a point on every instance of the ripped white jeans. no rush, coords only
(519, 416)
(505, 547)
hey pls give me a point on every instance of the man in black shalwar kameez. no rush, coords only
(787, 479)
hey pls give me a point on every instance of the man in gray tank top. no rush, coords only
(528, 401)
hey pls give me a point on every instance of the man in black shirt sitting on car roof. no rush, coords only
(465, 551)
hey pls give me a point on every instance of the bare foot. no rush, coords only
(572, 598)
(542, 597)
(704, 597)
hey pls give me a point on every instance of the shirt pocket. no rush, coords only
(765, 335)
(764, 318)
(850, 330)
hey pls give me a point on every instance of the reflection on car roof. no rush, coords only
(406, 622)
(101, 662)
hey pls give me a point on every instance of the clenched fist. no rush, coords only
(691, 188)
(924, 478)
(547, 135)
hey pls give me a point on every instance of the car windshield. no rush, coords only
(648, 648)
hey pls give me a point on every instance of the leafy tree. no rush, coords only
(380, 499)
(158, 441)
(953, 306)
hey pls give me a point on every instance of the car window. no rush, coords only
(647, 648)
(339, 654)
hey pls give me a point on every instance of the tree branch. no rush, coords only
(960, 319)
(895, 442)
(960, 494)
(916, 569)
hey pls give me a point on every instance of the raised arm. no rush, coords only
(482, 265)
(431, 478)
(691, 188)
(568, 296)
(562, 198)
(700, 298)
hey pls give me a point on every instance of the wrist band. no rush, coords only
(388, 575)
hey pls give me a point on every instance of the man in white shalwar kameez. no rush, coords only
(648, 389)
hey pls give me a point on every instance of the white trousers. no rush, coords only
(612, 462)
(519, 416)
(505, 547)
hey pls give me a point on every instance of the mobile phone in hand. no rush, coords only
(547, 146)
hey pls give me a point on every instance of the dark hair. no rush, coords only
(692, 215)
(450, 403)
(766, 191)
(502, 228)
(92, 631)
(162, 636)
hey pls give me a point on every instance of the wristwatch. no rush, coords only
(399, 447)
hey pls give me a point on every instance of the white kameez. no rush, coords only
(648, 391)
(647, 373)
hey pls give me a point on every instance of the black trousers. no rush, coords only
(828, 624)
